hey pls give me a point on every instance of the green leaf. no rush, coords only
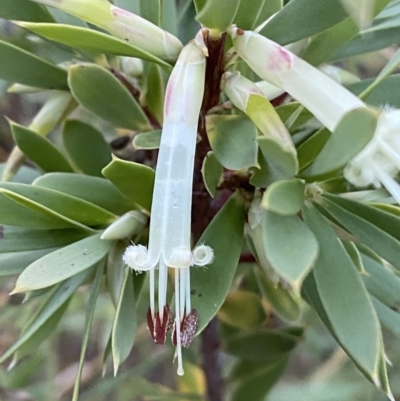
(100, 92)
(243, 310)
(154, 92)
(151, 10)
(377, 231)
(212, 173)
(282, 300)
(24, 10)
(384, 93)
(57, 298)
(69, 206)
(248, 13)
(18, 65)
(16, 210)
(225, 236)
(135, 181)
(343, 296)
(91, 305)
(269, 8)
(62, 264)
(388, 317)
(280, 164)
(309, 17)
(217, 14)
(233, 140)
(125, 322)
(41, 334)
(382, 283)
(90, 40)
(115, 271)
(86, 147)
(289, 246)
(256, 386)
(308, 151)
(16, 262)
(263, 345)
(98, 191)
(284, 197)
(352, 134)
(18, 239)
(327, 43)
(147, 140)
(40, 150)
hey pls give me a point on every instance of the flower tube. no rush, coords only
(122, 24)
(169, 242)
(379, 161)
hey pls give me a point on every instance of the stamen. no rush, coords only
(177, 330)
(152, 295)
(162, 285)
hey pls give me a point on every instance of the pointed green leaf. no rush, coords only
(262, 345)
(90, 307)
(256, 386)
(102, 93)
(344, 296)
(115, 272)
(311, 147)
(24, 10)
(284, 197)
(388, 317)
(308, 16)
(18, 239)
(98, 191)
(40, 150)
(42, 333)
(16, 262)
(290, 246)
(225, 236)
(69, 206)
(135, 181)
(212, 173)
(125, 322)
(352, 134)
(280, 164)
(18, 65)
(233, 140)
(151, 10)
(249, 12)
(283, 301)
(217, 15)
(90, 40)
(378, 235)
(57, 298)
(382, 283)
(86, 147)
(147, 140)
(19, 211)
(154, 89)
(62, 264)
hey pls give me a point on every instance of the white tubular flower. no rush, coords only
(122, 24)
(169, 242)
(325, 98)
(379, 162)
